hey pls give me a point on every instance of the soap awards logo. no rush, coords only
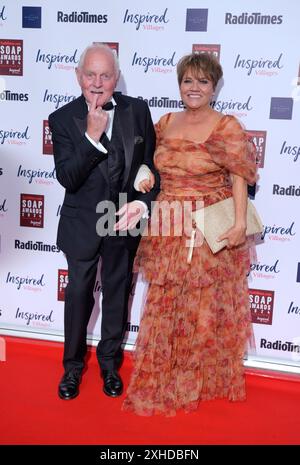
(113, 45)
(259, 140)
(11, 57)
(62, 282)
(32, 210)
(261, 306)
(213, 49)
(47, 139)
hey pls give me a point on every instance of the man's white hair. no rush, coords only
(99, 46)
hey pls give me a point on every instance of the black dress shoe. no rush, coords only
(113, 385)
(69, 385)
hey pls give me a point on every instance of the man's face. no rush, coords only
(97, 76)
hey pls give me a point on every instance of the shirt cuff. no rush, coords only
(146, 212)
(97, 145)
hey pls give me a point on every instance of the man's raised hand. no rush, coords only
(96, 120)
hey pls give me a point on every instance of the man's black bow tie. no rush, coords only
(107, 106)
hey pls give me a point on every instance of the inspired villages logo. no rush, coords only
(155, 64)
(35, 319)
(3, 16)
(59, 60)
(262, 67)
(150, 22)
(14, 136)
(25, 282)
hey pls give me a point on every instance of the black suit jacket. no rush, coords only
(82, 170)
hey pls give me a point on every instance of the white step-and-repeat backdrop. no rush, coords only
(257, 42)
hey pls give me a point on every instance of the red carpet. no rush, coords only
(32, 413)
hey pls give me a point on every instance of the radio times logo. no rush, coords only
(213, 49)
(259, 140)
(47, 139)
(32, 210)
(261, 306)
(292, 190)
(162, 102)
(286, 346)
(81, 17)
(256, 18)
(11, 57)
(37, 246)
(10, 96)
(62, 281)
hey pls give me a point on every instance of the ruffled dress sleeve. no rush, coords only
(231, 147)
(160, 127)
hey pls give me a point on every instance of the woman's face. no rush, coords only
(196, 91)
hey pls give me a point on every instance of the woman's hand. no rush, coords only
(235, 236)
(146, 184)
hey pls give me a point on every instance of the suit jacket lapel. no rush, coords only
(81, 124)
(125, 116)
(80, 121)
(80, 115)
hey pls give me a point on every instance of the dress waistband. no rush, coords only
(194, 193)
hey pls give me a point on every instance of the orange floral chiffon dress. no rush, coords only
(196, 320)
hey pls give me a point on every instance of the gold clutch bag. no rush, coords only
(216, 219)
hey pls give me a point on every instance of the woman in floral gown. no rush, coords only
(196, 320)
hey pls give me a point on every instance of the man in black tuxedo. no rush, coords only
(99, 140)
